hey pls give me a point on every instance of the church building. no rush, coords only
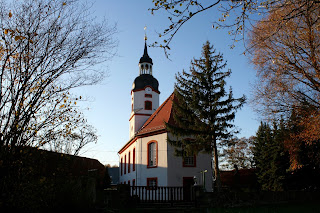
(147, 159)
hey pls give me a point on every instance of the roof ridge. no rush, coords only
(154, 114)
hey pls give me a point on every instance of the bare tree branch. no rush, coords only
(48, 48)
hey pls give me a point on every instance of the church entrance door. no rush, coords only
(187, 188)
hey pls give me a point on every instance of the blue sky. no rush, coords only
(109, 108)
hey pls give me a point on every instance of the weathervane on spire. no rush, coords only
(145, 33)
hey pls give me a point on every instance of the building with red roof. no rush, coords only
(147, 159)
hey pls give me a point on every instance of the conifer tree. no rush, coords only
(270, 157)
(262, 154)
(281, 161)
(203, 109)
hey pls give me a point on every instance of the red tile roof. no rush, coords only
(157, 120)
(155, 124)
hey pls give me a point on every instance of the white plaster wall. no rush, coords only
(170, 170)
(132, 175)
(161, 170)
(138, 99)
(176, 171)
(136, 123)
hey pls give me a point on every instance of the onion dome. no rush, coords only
(144, 80)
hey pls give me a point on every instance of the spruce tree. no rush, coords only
(262, 154)
(280, 161)
(271, 159)
(203, 109)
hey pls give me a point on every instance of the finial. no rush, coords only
(145, 33)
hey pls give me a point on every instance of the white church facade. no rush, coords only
(147, 159)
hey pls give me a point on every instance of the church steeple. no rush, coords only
(144, 93)
(145, 77)
(145, 63)
(145, 58)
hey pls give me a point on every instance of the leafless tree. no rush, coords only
(47, 48)
(237, 16)
(238, 151)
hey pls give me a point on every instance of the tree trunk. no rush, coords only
(216, 166)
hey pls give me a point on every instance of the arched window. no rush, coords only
(121, 167)
(148, 105)
(129, 163)
(152, 154)
(134, 159)
(125, 164)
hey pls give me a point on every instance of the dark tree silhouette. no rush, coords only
(237, 16)
(203, 109)
(48, 48)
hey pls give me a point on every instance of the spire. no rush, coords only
(145, 58)
(145, 52)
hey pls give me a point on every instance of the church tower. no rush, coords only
(144, 93)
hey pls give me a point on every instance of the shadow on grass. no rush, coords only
(281, 208)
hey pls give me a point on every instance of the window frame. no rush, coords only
(121, 166)
(134, 159)
(129, 162)
(148, 154)
(149, 107)
(189, 165)
(125, 164)
(152, 179)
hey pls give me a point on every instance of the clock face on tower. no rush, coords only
(148, 90)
